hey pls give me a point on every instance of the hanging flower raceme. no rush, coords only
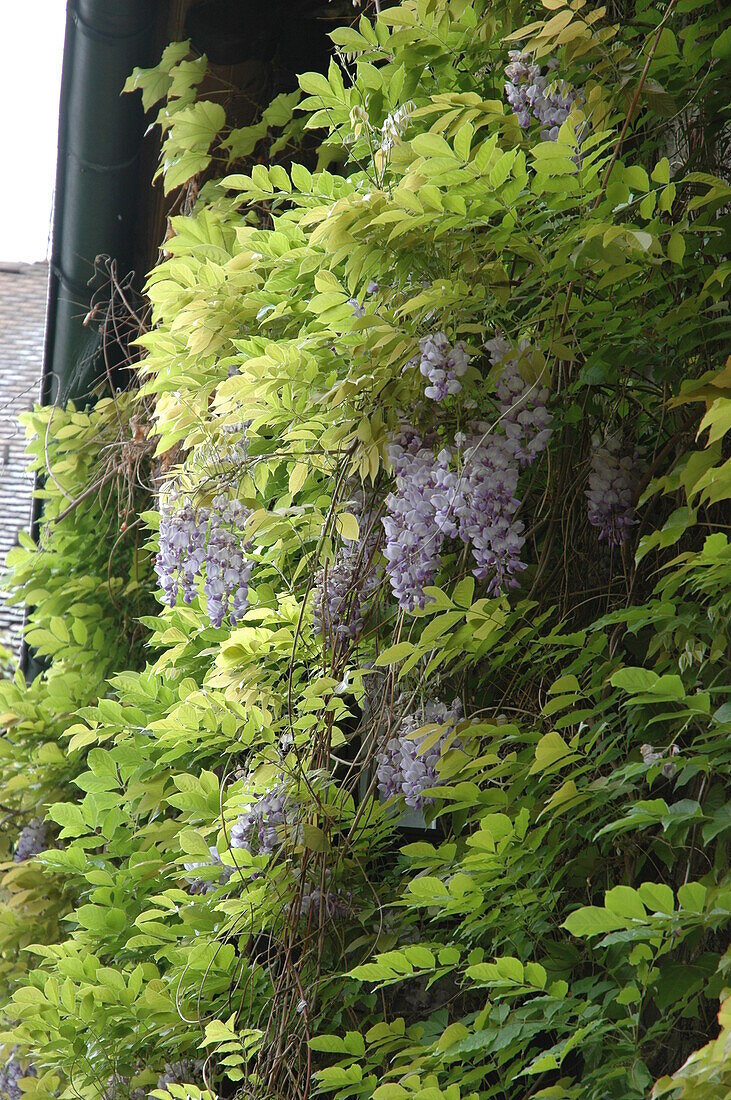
(402, 768)
(200, 885)
(32, 840)
(413, 537)
(197, 539)
(611, 488)
(442, 364)
(530, 92)
(258, 830)
(184, 1072)
(11, 1074)
(333, 903)
(477, 500)
(487, 503)
(342, 591)
(395, 126)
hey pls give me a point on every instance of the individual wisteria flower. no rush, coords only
(413, 539)
(204, 886)
(651, 755)
(184, 1072)
(395, 126)
(11, 1073)
(531, 92)
(611, 488)
(32, 840)
(359, 309)
(442, 364)
(341, 593)
(258, 830)
(205, 538)
(402, 769)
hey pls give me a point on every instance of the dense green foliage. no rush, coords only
(558, 924)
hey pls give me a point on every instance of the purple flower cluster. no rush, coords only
(413, 537)
(329, 903)
(204, 886)
(487, 502)
(442, 365)
(235, 444)
(477, 503)
(522, 407)
(486, 507)
(402, 769)
(193, 539)
(32, 840)
(119, 1087)
(651, 755)
(258, 829)
(184, 1072)
(11, 1074)
(341, 593)
(530, 92)
(611, 489)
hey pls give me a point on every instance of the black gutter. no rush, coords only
(98, 185)
(97, 175)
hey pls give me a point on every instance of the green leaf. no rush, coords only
(551, 751)
(692, 896)
(661, 171)
(721, 47)
(634, 679)
(592, 920)
(657, 896)
(431, 145)
(347, 526)
(676, 248)
(394, 653)
(625, 902)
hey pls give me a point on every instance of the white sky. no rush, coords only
(30, 81)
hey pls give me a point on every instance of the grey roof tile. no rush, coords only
(23, 289)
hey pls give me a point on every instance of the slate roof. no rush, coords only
(22, 325)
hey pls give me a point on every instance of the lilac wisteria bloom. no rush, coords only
(258, 830)
(184, 1072)
(413, 539)
(341, 593)
(442, 364)
(11, 1074)
(522, 406)
(531, 93)
(333, 903)
(205, 540)
(492, 456)
(200, 885)
(32, 840)
(611, 488)
(402, 769)
(487, 507)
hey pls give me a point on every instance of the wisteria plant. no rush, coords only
(382, 749)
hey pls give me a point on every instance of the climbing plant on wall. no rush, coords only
(383, 746)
